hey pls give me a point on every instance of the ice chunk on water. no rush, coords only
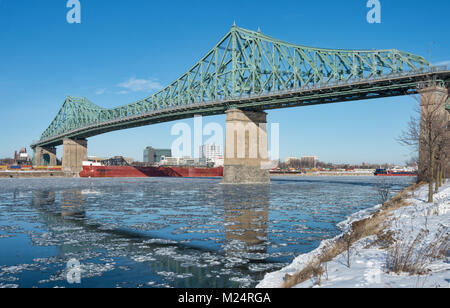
(142, 259)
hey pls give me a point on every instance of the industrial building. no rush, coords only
(22, 158)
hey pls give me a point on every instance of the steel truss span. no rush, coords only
(249, 70)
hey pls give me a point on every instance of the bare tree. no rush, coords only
(413, 161)
(383, 189)
(442, 149)
(411, 136)
(427, 133)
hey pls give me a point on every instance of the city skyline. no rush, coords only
(36, 80)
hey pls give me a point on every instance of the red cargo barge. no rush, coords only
(95, 171)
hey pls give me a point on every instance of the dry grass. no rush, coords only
(384, 240)
(360, 229)
(413, 257)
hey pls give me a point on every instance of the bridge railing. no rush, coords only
(439, 68)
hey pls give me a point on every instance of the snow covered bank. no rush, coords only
(412, 249)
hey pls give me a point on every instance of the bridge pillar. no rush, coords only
(45, 156)
(246, 148)
(447, 143)
(74, 153)
(432, 109)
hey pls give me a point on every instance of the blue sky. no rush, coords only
(124, 50)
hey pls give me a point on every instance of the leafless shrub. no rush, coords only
(311, 269)
(414, 257)
(348, 240)
(384, 239)
(399, 258)
(317, 272)
(383, 189)
(299, 277)
(438, 248)
(326, 270)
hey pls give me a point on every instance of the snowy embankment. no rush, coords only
(410, 249)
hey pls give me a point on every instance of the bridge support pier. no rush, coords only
(447, 150)
(246, 148)
(74, 153)
(45, 156)
(434, 115)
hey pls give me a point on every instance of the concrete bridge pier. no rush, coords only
(45, 156)
(74, 153)
(447, 144)
(433, 110)
(447, 149)
(246, 148)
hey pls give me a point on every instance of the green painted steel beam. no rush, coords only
(245, 64)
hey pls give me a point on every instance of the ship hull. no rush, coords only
(141, 172)
(387, 172)
(409, 174)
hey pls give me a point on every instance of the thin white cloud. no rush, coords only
(140, 85)
(100, 91)
(122, 92)
(442, 63)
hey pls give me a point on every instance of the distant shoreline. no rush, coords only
(53, 174)
(323, 174)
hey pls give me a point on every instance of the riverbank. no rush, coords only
(403, 243)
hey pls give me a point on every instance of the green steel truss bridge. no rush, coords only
(251, 71)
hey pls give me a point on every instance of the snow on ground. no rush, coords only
(368, 263)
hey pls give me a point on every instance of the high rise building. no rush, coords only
(154, 156)
(211, 154)
(210, 151)
(309, 161)
(290, 160)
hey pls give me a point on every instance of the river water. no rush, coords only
(168, 232)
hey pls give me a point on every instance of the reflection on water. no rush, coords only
(72, 203)
(167, 232)
(246, 219)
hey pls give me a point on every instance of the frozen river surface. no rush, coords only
(168, 232)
